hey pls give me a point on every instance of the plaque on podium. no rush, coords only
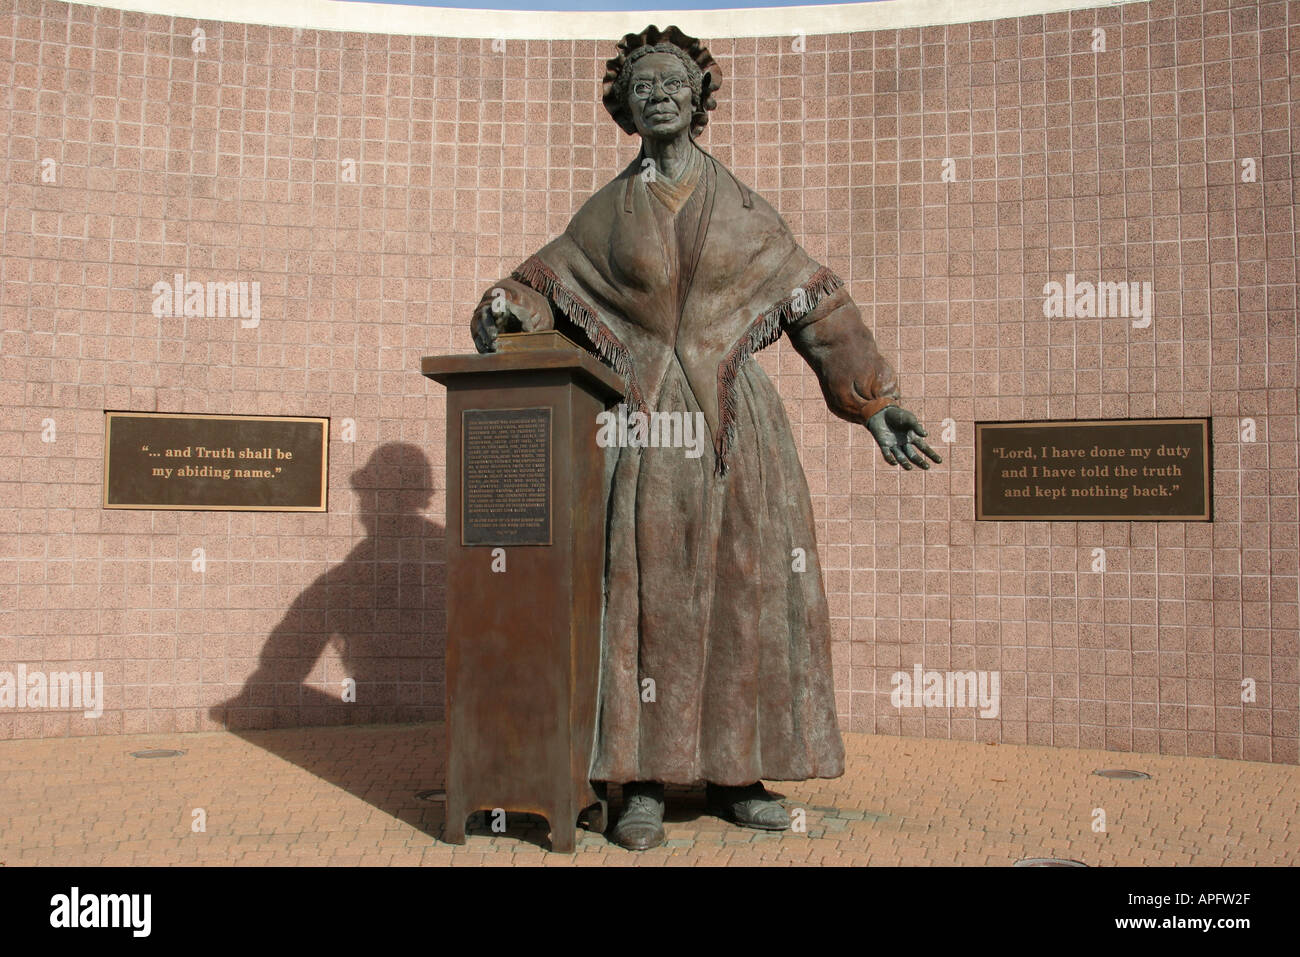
(525, 574)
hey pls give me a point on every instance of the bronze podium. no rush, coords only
(525, 575)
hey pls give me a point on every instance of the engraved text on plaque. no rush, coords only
(1107, 470)
(256, 463)
(506, 477)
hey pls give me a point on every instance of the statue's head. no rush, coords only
(661, 83)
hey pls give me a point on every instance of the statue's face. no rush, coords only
(659, 96)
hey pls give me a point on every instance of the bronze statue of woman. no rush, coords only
(676, 273)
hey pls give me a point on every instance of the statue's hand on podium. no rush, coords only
(509, 307)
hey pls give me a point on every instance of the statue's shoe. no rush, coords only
(641, 825)
(748, 806)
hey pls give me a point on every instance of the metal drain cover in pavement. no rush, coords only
(1048, 862)
(436, 794)
(158, 753)
(1122, 774)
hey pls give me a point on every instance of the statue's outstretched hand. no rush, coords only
(899, 434)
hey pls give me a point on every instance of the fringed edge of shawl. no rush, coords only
(537, 275)
(765, 330)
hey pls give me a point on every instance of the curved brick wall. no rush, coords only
(228, 164)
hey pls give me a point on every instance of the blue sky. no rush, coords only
(604, 4)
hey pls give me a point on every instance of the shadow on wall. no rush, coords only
(383, 610)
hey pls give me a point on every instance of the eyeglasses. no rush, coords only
(642, 89)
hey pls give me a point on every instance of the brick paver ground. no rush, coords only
(348, 796)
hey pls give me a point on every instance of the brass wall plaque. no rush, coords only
(258, 463)
(1094, 470)
(506, 477)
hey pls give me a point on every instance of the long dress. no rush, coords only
(713, 589)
